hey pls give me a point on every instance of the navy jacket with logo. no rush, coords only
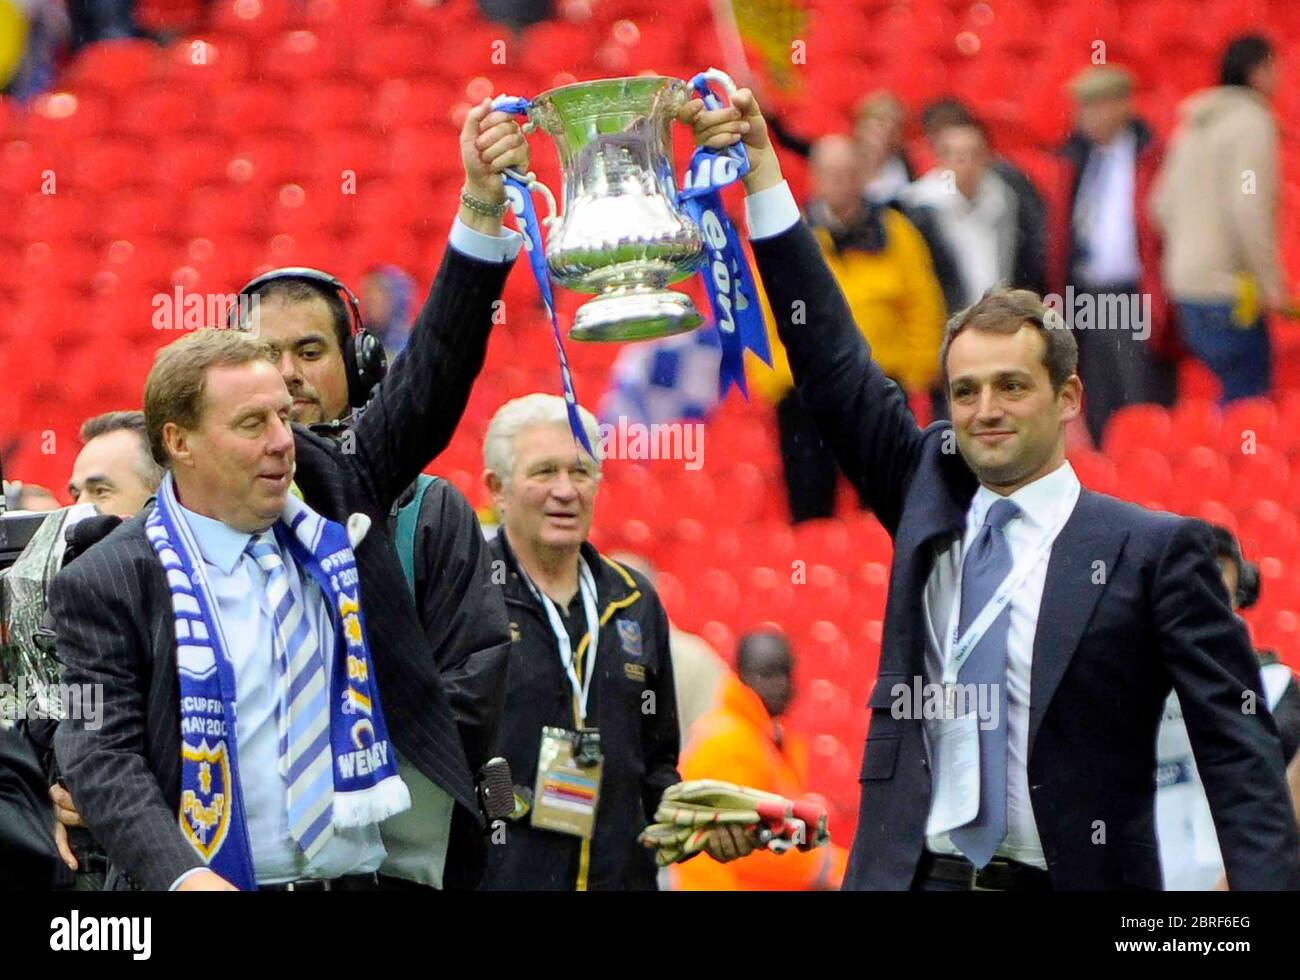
(631, 702)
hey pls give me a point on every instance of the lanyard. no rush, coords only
(959, 649)
(587, 587)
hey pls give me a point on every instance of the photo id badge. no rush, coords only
(568, 781)
(956, 748)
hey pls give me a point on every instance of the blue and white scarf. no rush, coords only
(367, 788)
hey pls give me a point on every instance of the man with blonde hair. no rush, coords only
(590, 721)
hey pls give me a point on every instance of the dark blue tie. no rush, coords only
(987, 563)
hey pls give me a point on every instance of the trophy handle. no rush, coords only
(721, 77)
(519, 106)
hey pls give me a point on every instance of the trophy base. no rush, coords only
(635, 313)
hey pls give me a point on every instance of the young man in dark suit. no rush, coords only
(1047, 621)
(232, 456)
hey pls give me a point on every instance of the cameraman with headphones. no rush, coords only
(331, 365)
(1189, 846)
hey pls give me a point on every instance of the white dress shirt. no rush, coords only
(1103, 213)
(889, 182)
(980, 231)
(239, 587)
(1041, 511)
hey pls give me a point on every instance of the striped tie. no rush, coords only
(304, 719)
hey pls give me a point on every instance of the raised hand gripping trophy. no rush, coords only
(627, 232)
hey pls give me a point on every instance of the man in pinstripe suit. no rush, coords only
(231, 453)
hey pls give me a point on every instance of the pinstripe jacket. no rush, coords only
(112, 607)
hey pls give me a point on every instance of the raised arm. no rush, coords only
(862, 416)
(416, 408)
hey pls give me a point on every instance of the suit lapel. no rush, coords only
(168, 709)
(1082, 562)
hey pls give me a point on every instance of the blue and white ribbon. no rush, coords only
(726, 274)
(521, 203)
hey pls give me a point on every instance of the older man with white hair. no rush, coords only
(590, 722)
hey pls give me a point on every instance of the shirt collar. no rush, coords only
(220, 544)
(1039, 502)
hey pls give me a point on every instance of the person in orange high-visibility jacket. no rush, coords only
(741, 741)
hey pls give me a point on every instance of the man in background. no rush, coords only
(1216, 201)
(1029, 268)
(742, 741)
(1108, 251)
(975, 210)
(590, 720)
(114, 470)
(878, 131)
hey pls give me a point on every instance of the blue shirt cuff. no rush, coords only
(502, 247)
(771, 212)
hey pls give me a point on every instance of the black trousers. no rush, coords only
(1115, 361)
(811, 473)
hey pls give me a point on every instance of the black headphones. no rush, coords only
(364, 359)
(1247, 571)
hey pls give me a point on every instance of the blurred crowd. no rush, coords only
(1149, 251)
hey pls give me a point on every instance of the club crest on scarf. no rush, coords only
(205, 807)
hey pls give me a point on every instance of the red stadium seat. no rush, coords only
(161, 111)
(63, 118)
(1095, 471)
(184, 162)
(116, 66)
(1269, 531)
(1200, 475)
(267, 161)
(1197, 422)
(213, 60)
(828, 652)
(393, 52)
(326, 105)
(1261, 474)
(301, 56)
(239, 110)
(722, 638)
(105, 165)
(1144, 476)
(1214, 512)
(258, 19)
(1136, 427)
(1247, 423)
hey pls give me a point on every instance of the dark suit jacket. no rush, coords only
(28, 858)
(113, 614)
(1133, 604)
(464, 617)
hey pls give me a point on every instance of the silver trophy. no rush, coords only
(621, 235)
